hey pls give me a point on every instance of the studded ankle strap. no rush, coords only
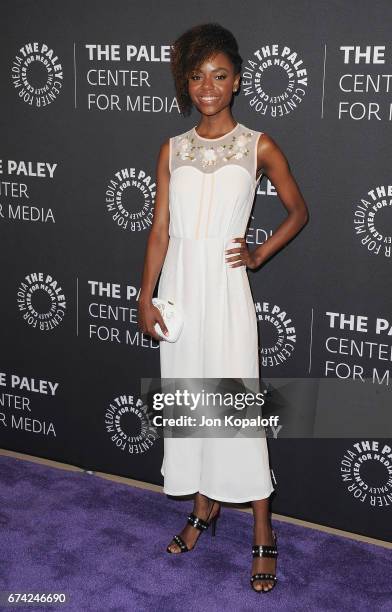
(197, 522)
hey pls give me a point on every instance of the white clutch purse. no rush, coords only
(173, 318)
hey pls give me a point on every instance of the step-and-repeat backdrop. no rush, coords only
(87, 99)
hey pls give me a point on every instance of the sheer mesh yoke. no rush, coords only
(238, 147)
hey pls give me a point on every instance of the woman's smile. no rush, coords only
(208, 99)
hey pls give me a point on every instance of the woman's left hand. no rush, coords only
(241, 256)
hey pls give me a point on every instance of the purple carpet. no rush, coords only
(103, 544)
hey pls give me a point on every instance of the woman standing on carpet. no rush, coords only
(206, 182)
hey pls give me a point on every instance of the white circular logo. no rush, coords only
(366, 471)
(129, 425)
(41, 301)
(275, 80)
(278, 338)
(37, 74)
(130, 197)
(372, 217)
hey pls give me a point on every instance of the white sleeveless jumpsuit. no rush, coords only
(211, 192)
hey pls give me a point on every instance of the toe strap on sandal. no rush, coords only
(197, 522)
(264, 551)
(178, 540)
(263, 576)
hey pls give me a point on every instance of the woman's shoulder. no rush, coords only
(262, 139)
(177, 137)
(252, 131)
(171, 144)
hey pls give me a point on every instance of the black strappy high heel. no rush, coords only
(200, 524)
(261, 550)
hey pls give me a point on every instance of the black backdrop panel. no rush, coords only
(87, 100)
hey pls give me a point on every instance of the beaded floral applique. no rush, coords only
(209, 155)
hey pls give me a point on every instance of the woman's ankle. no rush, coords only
(262, 530)
(205, 505)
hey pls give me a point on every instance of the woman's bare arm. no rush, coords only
(156, 247)
(272, 161)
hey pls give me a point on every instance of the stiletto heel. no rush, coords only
(200, 524)
(213, 522)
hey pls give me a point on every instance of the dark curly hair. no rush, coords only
(192, 48)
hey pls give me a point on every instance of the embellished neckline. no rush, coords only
(190, 146)
(215, 139)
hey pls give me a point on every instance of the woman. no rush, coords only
(206, 182)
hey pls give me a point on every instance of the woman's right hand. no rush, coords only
(148, 315)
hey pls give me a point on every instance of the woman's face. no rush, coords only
(211, 85)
